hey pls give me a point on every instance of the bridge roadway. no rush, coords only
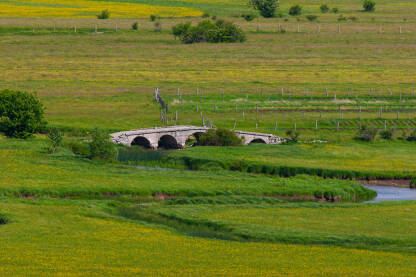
(176, 136)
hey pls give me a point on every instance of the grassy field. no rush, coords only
(382, 226)
(26, 171)
(49, 237)
(381, 158)
(63, 214)
(85, 79)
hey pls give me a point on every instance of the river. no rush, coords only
(387, 193)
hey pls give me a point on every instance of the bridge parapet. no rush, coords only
(176, 136)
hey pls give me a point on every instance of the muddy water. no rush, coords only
(388, 193)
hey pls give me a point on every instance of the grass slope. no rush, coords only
(50, 238)
(26, 171)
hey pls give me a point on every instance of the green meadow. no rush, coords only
(294, 209)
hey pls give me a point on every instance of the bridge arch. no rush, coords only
(168, 142)
(141, 141)
(257, 140)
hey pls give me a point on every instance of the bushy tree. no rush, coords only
(105, 14)
(208, 31)
(412, 136)
(386, 134)
(135, 26)
(293, 136)
(248, 16)
(267, 8)
(295, 10)
(55, 138)
(324, 8)
(21, 114)
(369, 5)
(367, 133)
(219, 137)
(101, 147)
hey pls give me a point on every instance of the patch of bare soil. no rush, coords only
(400, 183)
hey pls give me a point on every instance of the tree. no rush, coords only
(369, 5)
(324, 8)
(101, 147)
(367, 133)
(267, 8)
(105, 14)
(208, 31)
(21, 114)
(55, 138)
(219, 137)
(295, 10)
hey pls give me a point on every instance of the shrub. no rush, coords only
(367, 133)
(334, 10)
(293, 136)
(205, 15)
(214, 17)
(101, 147)
(267, 8)
(105, 14)
(311, 17)
(153, 17)
(413, 183)
(386, 134)
(412, 136)
(21, 114)
(248, 16)
(135, 26)
(295, 10)
(78, 148)
(55, 139)
(342, 18)
(324, 8)
(158, 26)
(219, 137)
(208, 31)
(353, 18)
(369, 5)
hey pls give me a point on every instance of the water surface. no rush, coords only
(388, 193)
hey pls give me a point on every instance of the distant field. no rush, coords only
(82, 8)
(379, 158)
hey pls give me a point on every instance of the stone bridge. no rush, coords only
(175, 137)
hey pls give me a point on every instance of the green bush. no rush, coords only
(101, 147)
(295, 10)
(412, 136)
(248, 16)
(78, 148)
(335, 10)
(324, 8)
(21, 114)
(386, 134)
(105, 14)
(208, 31)
(369, 5)
(413, 183)
(311, 17)
(367, 133)
(205, 15)
(55, 139)
(219, 137)
(158, 26)
(267, 8)
(342, 18)
(135, 26)
(293, 136)
(153, 17)
(353, 18)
